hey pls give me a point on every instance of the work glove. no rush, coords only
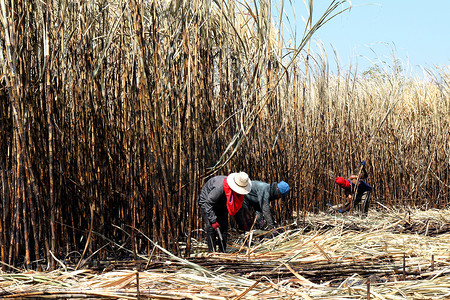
(363, 163)
(215, 225)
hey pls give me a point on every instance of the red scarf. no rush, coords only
(234, 200)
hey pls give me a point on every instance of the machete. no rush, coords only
(220, 238)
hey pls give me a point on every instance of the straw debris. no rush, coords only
(321, 257)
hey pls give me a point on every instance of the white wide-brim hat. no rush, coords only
(239, 182)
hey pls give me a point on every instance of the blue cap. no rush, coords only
(284, 188)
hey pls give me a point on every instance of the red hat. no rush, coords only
(343, 183)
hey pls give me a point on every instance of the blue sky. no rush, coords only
(416, 32)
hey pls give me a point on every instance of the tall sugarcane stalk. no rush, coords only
(49, 102)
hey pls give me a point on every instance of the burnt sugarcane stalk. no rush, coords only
(49, 102)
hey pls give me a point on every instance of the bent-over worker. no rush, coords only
(222, 195)
(259, 199)
(363, 191)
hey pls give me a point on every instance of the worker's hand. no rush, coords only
(215, 225)
(363, 163)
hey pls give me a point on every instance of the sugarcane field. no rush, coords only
(173, 149)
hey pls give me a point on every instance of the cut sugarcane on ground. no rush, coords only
(391, 254)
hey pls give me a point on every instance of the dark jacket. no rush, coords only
(362, 185)
(212, 197)
(259, 198)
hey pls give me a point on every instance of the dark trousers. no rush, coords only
(244, 219)
(363, 198)
(212, 238)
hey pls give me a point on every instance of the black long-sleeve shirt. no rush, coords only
(212, 197)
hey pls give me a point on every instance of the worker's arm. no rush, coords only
(265, 207)
(207, 203)
(364, 174)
